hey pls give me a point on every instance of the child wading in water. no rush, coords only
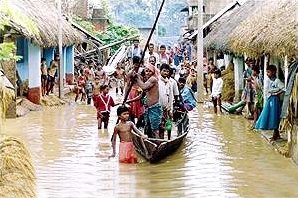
(270, 115)
(216, 91)
(103, 104)
(124, 129)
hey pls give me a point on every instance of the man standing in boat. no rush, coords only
(153, 110)
(166, 97)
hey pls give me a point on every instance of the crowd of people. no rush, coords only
(161, 82)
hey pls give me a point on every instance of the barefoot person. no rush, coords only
(51, 74)
(95, 89)
(80, 87)
(270, 115)
(217, 91)
(153, 110)
(120, 77)
(44, 76)
(123, 129)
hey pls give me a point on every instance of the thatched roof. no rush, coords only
(38, 21)
(206, 27)
(272, 28)
(221, 29)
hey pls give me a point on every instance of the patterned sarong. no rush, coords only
(127, 153)
(153, 116)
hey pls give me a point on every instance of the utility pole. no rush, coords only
(61, 65)
(200, 52)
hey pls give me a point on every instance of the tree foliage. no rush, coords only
(113, 33)
(142, 13)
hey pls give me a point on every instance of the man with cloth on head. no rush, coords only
(153, 110)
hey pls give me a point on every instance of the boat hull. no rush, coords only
(155, 150)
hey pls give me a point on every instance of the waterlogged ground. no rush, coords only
(219, 158)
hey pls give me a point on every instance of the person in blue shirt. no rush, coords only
(188, 97)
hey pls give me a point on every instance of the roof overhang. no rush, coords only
(230, 6)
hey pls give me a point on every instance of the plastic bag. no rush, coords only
(168, 126)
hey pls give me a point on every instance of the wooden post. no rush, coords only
(61, 65)
(200, 53)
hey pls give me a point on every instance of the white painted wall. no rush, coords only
(34, 56)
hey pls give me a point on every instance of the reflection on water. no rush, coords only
(218, 159)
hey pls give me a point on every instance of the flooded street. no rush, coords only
(219, 158)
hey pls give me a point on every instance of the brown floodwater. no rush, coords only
(219, 158)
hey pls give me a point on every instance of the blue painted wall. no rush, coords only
(48, 53)
(22, 65)
(69, 60)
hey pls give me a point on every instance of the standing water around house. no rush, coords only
(219, 158)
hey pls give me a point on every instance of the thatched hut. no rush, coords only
(38, 21)
(218, 37)
(33, 26)
(272, 29)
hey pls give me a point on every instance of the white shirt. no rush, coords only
(175, 87)
(217, 86)
(166, 96)
(147, 56)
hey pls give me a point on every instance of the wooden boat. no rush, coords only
(155, 150)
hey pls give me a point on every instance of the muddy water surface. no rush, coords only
(219, 158)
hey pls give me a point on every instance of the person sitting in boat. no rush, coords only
(124, 129)
(188, 98)
(153, 110)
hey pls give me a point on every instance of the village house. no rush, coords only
(266, 31)
(35, 33)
